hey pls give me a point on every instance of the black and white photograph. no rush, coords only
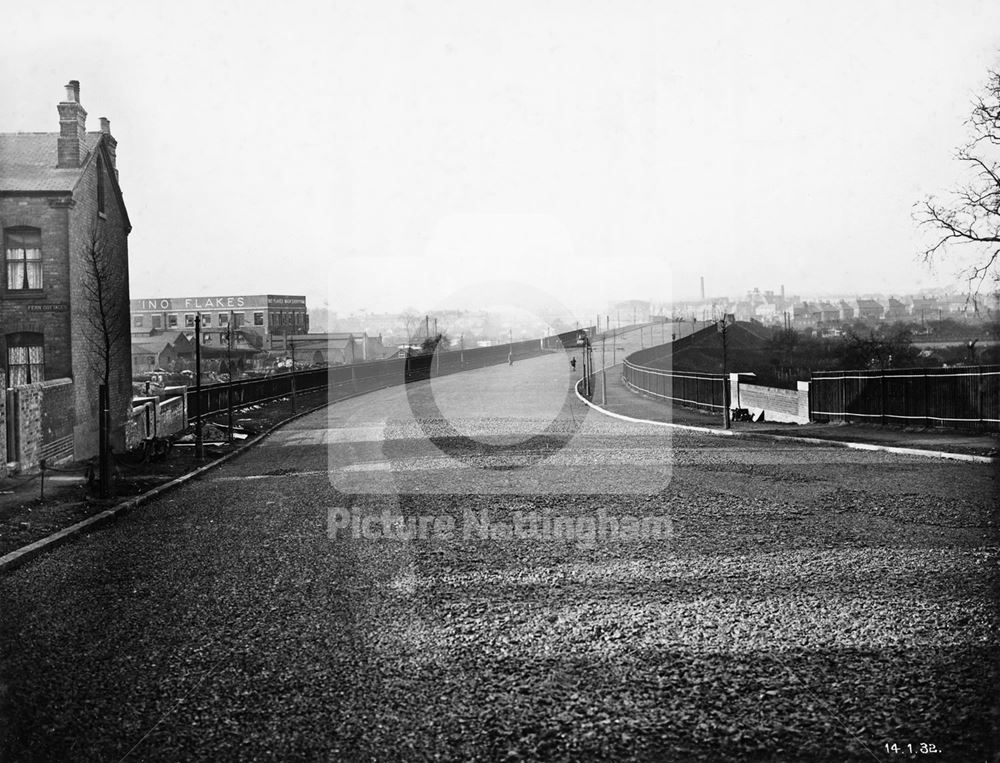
(556, 380)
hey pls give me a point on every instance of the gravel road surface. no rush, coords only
(780, 602)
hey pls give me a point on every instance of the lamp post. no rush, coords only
(199, 445)
(229, 366)
(294, 398)
(604, 373)
(723, 324)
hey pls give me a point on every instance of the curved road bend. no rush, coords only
(803, 603)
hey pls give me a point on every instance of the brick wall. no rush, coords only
(3, 425)
(155, 417)
(141, 423)
(19, 310)
(43, 418)
(86, 354)
(171, 416)
(58, 419)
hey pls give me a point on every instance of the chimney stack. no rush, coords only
(72, 128)
(110, 143)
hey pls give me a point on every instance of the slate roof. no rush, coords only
(28, 162)
(153, 345)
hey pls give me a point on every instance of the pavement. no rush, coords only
(307, 600)
(624, 401)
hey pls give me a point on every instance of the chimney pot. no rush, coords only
(105, 125)
(73, 91)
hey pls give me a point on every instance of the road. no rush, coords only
(793, 603)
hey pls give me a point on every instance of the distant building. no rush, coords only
(59, 201)
(261, 318)
(894, 310)
(333, 348)
(827, 313)
(869, 309)
(160, 352)
(845, 311)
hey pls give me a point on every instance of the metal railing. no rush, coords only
(960, 397)
(342, 381)
(682, 387)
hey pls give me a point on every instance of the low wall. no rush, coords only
(40, 421)
(154, 417)
(788, 406)
(3, 425)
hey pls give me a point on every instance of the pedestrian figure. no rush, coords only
(572, 363)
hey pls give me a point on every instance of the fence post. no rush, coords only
(982, 424)
(927, 407)
(843, 396)
(882, 397)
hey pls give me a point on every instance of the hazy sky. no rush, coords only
(384, 154)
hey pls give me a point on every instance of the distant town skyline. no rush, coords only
(386, 155)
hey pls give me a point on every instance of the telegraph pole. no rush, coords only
(229, 364)
(199, 445)
(725, 376)
(294, 398)
(604, 374)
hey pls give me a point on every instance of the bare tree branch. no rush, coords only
(102, 282)
(971, 215)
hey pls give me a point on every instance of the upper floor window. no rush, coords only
(223, 319)
(24, 258)
(25, 358)
(258, 319)
(100, 185)
(157, 320)
(172, 320)
(137, 321)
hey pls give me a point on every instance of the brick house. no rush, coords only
(59, 201)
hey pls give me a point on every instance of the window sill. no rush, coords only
(23, 293)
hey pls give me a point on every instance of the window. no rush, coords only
(137, 321)
(206, 320)
(24, 258)
(239, 319)
(25, 359)
(223, 319)
(258, 319)
(157, 321)
(189, 320)
(100, 186)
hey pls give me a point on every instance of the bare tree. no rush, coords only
(411, 321)
(103, 284)
(971, 214)
(106, 329)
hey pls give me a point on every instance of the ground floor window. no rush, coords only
(25, 359)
